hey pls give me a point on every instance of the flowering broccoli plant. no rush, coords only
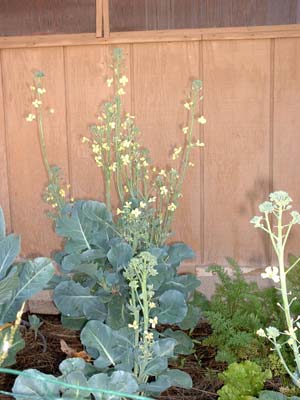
(55, 194)
(148, 195)
(279, 208)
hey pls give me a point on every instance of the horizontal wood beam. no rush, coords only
(175, 35)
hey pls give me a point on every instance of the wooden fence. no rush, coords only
(251, 101)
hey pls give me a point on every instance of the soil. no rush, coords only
(201, 365)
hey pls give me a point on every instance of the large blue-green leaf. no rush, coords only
(74, 300)
(170, 377)
(75, 378)
(9, 249)
(183, 283)
(8, 286)
(191, 319)
(119, 381)
(17, 345)
(173, 307)
(119, 255)
(72, 364)
(184, 343)
(179, 252)
(117, 312)
(37, 388)
(33, 275)
(110, 345)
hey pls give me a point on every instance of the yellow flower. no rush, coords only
(85, 139)
(109, 81)
(176, 153)
(142, 204)
(126, 143)
(121, 91)
(162, 173)
(153, 322)
(152, 305)
(134, 325)
(152, 199)
(185, 130)
(154, 169)
(54, 205)
(98, 160)
(119, 211)
(112, 125)
(30, 117)
(129, 116)
(32, 88)
(68, 186)
(125, 159)
(136, 212)
(146, 177)
(105, 146)
(41, 90)
(163, 190)
(127, 204)
(123, 80)
(72, 199)
(36, 103)
(126, 190)
(62, 193)
(172, 207)
(187, 106)
(191, 164)
(199, 144)
(51, 111)
(113, 167)
(148, 336)
(202, 120)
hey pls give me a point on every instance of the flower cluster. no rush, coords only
(141, 304)
(278, 204)
(127, 166)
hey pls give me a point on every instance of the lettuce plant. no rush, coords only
(278, 207)
(242, 381)
(18, 283)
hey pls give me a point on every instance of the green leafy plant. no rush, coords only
(18, 283)
(237, 309)
(277, 207)
(35, 324)
(93, 262)
(242, 381)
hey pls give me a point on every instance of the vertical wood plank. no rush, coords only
(4, 190)
(162, 77)
(86, 73)
(99, 18)
(287, 125)
(106, 23)
(237, 96)
(27, 176)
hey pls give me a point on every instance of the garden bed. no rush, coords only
(201, 365)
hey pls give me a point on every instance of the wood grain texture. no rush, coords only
(4, 190)
(177, 14)
(162, 75)
(34, 17)
(287, 125)
(27, 176)
(236, 175)
(86, 74)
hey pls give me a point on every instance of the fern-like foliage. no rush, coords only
(237, 310)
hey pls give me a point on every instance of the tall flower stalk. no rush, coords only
(276, 208)
(145, 192)
(55, 194)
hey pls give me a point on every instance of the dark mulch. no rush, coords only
(201, 365)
